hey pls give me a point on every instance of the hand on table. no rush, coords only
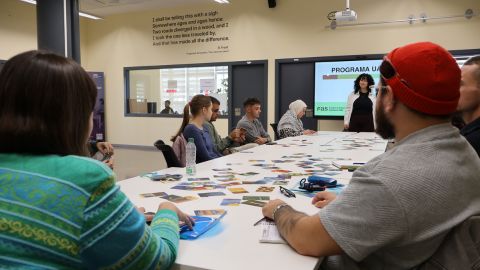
(309, 132)
(261, 140)
(236, 136)
(323, 198)
(182, 217)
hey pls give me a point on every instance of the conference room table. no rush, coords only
(234, 242)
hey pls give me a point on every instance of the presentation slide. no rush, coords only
(334, 82)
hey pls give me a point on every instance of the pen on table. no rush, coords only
(262, 219)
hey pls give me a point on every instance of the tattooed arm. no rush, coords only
(304, 233)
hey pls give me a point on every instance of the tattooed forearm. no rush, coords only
(286, 218)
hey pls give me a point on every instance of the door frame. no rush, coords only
(231, 115)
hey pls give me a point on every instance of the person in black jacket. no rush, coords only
(469, 103)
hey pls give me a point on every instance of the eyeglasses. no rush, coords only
(287, 192)
(216, 111)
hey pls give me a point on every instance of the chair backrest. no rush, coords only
(180, 149)
(167, 151)
(274, 127)
(460, 248)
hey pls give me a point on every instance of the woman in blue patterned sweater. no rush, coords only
(58, 208)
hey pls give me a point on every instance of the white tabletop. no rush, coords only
(234, 242)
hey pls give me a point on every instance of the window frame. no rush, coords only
(126, 76)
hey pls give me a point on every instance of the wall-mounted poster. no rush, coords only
(98, 131)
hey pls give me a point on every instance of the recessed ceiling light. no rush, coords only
(222, 1)
(34, 2)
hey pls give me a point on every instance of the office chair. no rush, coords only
(274, 127)
(167, 151)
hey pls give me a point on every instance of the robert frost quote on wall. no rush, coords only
(201, 27)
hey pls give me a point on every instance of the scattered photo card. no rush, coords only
(265, 189)
(214, 212)
(231, 202)
(256, 198)
(155, 194)
(211, 194)
(254, 203)
(280, 183)
(238, 190)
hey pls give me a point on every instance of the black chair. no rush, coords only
(274, 127)
(168, 153)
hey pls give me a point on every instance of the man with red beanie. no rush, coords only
(398, 207)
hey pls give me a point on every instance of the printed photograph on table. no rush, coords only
(180, 199)
(198, 179)
(238, 190)
(211, 194)
(265, 189)
(231, 202)
(155, 194)
(214, 212)
(255, 203)
(256, 198)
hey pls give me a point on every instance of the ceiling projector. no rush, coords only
(346, 15)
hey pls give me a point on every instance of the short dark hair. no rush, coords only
(474, 60)
(214, 100)
(363, 76)
(251, 102)
(168, 101)
(46, 101)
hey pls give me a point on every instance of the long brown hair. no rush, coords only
(195, 108)
(45, 105)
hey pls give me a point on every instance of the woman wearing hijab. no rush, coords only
(290, 124)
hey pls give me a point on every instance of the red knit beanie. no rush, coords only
(427, 78)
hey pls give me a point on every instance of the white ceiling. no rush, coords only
(109, 7)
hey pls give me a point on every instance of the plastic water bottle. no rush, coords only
(191, 157)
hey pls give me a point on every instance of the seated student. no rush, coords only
(398, 207)
(255, 131)
(469, 103)
(58, 208)
(290, 124)
(201, 110)
(229, 144)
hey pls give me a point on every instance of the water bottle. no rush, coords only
(191, 157)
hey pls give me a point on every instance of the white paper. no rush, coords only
(270, 233)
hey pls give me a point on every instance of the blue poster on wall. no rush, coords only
(98, 131)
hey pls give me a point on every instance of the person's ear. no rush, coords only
(388, 99)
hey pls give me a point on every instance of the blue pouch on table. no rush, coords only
(202, 225)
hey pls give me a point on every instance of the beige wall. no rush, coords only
(294, 29)
(18, 29)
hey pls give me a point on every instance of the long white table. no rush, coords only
(234, 242)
